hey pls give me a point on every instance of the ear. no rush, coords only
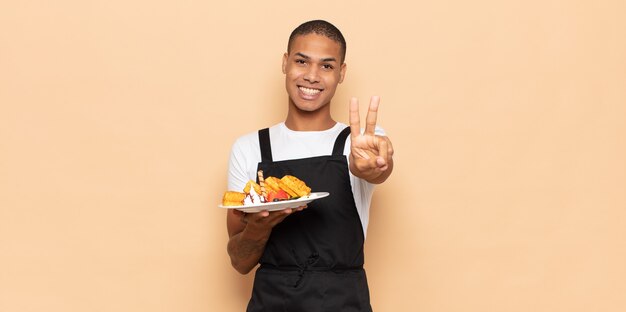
(342, 72)
(285, 57)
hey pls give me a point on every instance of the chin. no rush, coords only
(308, 106)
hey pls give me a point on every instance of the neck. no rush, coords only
(299, 120)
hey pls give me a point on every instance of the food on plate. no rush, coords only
(252, 196)
(272, 183)
(294, 186)
(274, 196)
(252, 184)
(270, 189)
(233, 198)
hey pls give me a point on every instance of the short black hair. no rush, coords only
(322, 28)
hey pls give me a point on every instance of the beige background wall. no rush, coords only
(116, 119)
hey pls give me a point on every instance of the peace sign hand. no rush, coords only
(370, 154)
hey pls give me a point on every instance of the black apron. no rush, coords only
(313, 260)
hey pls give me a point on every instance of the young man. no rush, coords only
(311, 259)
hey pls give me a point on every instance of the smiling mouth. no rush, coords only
(309, 91)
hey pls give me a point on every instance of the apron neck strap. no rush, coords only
(340, 142)
(266, 147)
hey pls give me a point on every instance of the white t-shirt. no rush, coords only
(288, 144)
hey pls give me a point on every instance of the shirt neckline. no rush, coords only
(305, 133)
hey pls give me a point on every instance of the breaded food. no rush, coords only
(287, 189)
(294, 186)
(257, 188)
(272, 183)
(233, 198)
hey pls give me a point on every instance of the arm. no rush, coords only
(371, 156)
(249, 233)
(245, 246)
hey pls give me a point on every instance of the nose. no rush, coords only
(311, 75)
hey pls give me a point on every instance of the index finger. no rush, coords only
(355, 122)
(372, 113)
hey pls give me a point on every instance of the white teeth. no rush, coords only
(309, 91)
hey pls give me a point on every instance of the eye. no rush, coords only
(328, 66)
(301, 62)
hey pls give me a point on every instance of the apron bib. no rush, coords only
(313, 260)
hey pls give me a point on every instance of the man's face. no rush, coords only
(313, 69)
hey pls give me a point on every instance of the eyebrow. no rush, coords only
(327, 59)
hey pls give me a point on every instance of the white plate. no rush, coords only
(279, 205)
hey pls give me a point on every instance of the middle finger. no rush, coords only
(372, 112)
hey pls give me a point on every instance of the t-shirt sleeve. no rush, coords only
(379, 131)
(238, 167)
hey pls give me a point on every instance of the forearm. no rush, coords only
(245, 249)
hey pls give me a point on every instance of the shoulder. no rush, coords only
(246, 141)
(245, 154)
(250, 141)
